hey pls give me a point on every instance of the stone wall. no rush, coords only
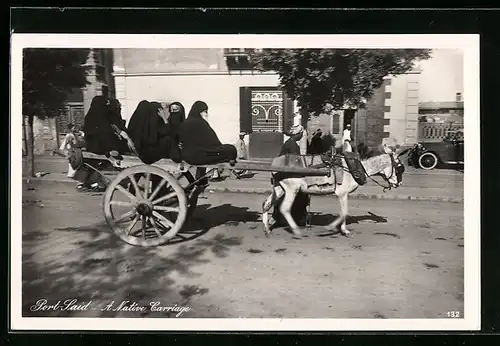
(369, 122)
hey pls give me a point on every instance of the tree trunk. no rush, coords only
(30, 149)
(25, 138)
(58, 144)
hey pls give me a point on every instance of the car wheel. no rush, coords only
(428, 161)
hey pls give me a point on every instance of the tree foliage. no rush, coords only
(49, 76)
(336, 77)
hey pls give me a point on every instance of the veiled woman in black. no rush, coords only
(104, 127)
(153, 138)
(104, 131)
(200, 144)
(177, 116)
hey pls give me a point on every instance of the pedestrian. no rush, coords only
(72, 140)
(346, 139)
(316, 144)
(242, 151)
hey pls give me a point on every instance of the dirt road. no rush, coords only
(405, 260)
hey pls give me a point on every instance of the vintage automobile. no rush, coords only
(450, 151)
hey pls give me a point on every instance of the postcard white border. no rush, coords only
(469, 44)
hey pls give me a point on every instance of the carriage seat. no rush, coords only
(304, 161)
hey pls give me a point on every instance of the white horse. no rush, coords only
(386, 164)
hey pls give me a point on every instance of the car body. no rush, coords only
(449, 151)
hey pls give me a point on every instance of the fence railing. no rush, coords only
(436, 132)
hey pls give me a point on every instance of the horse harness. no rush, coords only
(397, 166)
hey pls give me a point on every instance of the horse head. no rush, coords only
(393, 172)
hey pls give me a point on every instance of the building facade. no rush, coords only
(100, 77)
(240, 99)
(47, 133)
(437, 119)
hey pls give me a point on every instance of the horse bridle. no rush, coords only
(397, 167)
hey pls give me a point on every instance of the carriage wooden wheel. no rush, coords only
(145, 206)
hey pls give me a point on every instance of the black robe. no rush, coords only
(176, 119)
(200, 144)
(316, 146)
(100, 137)
(152, 137)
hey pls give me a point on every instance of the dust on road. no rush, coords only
(405, 260)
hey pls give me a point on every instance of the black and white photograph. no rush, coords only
(245, 182)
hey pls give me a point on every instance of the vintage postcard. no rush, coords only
(245, 182)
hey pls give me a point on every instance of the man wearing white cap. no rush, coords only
(291, 146)
(346, 138)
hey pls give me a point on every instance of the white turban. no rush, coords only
(295, 130)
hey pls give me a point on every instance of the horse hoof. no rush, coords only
(347, 234)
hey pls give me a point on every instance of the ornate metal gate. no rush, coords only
(265, 113)
(267, 110)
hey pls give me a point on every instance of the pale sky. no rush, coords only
(442, 76)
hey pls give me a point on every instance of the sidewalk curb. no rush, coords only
(262, 191)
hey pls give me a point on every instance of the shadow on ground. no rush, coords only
(91, 263)
(326, 219)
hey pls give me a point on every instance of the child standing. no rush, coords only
(70, 141)
(242, 151)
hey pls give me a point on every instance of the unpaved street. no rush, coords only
(405, 260)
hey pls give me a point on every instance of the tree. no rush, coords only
(337, 77)
(49, 75)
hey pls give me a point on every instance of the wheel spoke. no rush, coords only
(155, 225)
(144, 227)
(134, 222)
(121, 204)
(181, 236)
(164, 198)
(146, 184)
(125, 216)
(164, 219)
(124, 191)
(136, 187)
(158, 188)
(169, 209)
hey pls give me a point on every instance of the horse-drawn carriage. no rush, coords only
(147, 205)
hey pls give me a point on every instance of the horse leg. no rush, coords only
(266, 206)
(286, 207)
(344, 213)
(341, 218)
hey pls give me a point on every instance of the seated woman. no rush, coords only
(105, 132)
(153, 138)
(104, 127)
(200, 144)
(177, 115)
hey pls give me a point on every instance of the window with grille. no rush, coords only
(70, 114)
